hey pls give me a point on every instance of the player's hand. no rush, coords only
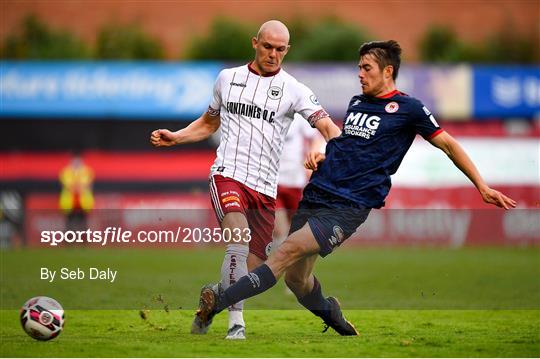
(162, 138)
(496, 198)
(312, 160)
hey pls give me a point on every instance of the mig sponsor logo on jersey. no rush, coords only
(361, 125)
(275, 93)
(253, 111)
(391, 107)
(238, 84)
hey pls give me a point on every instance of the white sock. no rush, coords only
(234, 267)
(236, 317)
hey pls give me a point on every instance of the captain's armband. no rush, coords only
(212, 112)
(317, 116)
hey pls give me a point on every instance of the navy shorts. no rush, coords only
(332, 219)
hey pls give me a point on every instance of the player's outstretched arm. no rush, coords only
(327, 128)
(457, 154)
(198, 130)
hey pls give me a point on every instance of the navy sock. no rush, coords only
(256, 282)
(315, 302)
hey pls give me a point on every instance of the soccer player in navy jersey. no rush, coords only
(349, 180)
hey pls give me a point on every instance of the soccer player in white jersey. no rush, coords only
(254, 104)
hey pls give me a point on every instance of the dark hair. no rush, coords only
(385, 53)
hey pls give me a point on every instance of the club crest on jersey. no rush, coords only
(275, 92)
(391, 107)
(314, 99)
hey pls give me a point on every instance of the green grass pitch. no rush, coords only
(470, 302)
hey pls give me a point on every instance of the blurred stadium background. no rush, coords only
(92, 79)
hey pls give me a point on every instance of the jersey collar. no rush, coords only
(251, 69)
(390, 94)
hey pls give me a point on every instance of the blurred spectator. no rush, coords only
(76, 196)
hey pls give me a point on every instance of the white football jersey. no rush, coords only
(256, 112)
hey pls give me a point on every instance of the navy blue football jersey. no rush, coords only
(376, 135)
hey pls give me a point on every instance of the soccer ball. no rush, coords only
(42, 318)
